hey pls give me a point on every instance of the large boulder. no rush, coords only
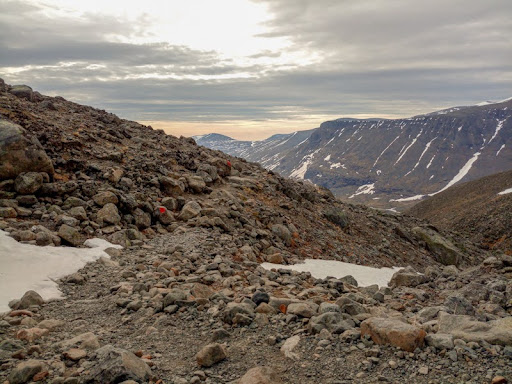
(25, 371)
(115, 365)
(29, 299)
(407, 277)
(20, 152)
(468, 329)
(394, 332)
(446, 253)
(22, 91)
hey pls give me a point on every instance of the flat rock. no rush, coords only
(210, 355)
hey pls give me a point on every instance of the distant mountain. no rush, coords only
(391, 163)
(268, 152)
(480, 208)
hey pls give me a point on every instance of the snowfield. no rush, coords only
(26, 267)
(321, 269)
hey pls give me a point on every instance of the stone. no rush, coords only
(302, 309)
(31, 334)
(394, 332)
(114, 365)
(260, 375)
(499, 380)
(459, 306)
(109, 214)
(28, 183)
(105, 197)
(233, 309)
(22, 91)
(260, 297)
(289, 345)
(174, 296)
(423, 370)
(75, 354)
(275, 258)
(201, 291)
(439, 340)
(283, 233)
(171, 186)
(190, 210)
(196, 184)
(29, 299)
(8, 213)
(21, 152)
(350, 306)
(25, 371)
(70, 235)
(469, 329)
(332, 321)
(446, 253)
(142, 219)
(88, 341)
(210, 355)
(407, 277)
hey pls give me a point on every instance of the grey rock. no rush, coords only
(210, 355)
(440, 340)
(114, 365)
(70, 235)
(190, 210)
(20, 152)
(108, 214)
(25, 371)
(105, 197)
(28, 183)
(30, 298)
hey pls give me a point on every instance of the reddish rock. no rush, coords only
(394, 332)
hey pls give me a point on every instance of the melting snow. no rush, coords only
(499, 150)
(385, 149)
(26, 267)
(404, 152)
(505, 192)
(321, 269)
(421, 156)
(430, 162)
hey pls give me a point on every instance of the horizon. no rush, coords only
(253, 68)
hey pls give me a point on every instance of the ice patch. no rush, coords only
(26, 267)
(505, 192)
(320, 269)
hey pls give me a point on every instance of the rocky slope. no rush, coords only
(395, 163)
(481, 209)
(186, 300)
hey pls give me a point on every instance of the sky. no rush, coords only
(250, 69)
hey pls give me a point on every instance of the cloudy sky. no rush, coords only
(253, 68)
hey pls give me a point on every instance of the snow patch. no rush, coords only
(367, 189)
(404, 152)
(498, 129)
(505, 192)
(459, 176)
(25, 267)
(412, 198)
(320, 269)
(499, 150)
(385, 149)
(327, 158)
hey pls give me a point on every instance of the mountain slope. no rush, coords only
(268, 152)
(481, 209)
(394, 163)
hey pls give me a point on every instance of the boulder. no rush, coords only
(210, 355)
(446, 253)
(394, 332)
(196, 184)
(70, 235)
(303, 309)
(260, 375)
(108, 214)
(25, 371)
(233, 309)
(28, 183)
(29, 299)
(171, 186)
(407, 277)
(288, 347)
(283, 233)
(114, 365)
(190, 210)
(20, 152)
(440, 340)
(332, 321)
(105, 197)
(22, 91)
(468, 329)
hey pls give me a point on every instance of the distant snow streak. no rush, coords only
(367, 189)
(385, 149)
(459, 176)
(412, 198)
(499, 150)
(404, 152)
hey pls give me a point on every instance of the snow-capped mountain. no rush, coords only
(391, 163)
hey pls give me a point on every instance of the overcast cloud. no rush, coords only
(361, 57)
